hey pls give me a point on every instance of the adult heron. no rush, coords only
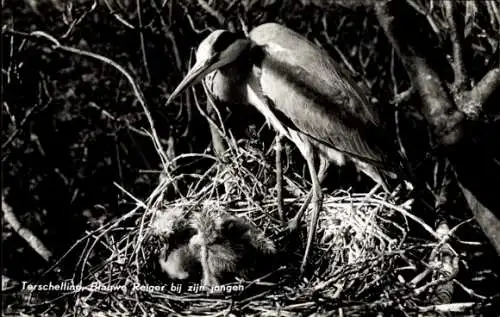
(303, 94)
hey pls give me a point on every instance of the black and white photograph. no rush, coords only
(250, 158)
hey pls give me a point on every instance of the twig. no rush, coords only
(9, 113)
(139, 204)
(141, 37)
(448, 308)
(75, 22)
(169, 34)
(11, 57)
(216, 14)
(191, 23)
(28, 115)
(118, 17)
(496, 12)
(404, 96)
(426, 14)
(396, 108)
(244, 27)
(456, 31)
(472, 102)
(405, 213)
(117, 155)
(110, 116)
(346, 61)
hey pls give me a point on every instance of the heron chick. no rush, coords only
(220, 247)
(230, 247)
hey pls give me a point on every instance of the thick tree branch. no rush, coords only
(487, 86)
(437, 106)
(476, 170)
(472, 102)
(456, 28)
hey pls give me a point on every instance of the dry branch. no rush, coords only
(477, 172)
(456, 30)
(489, 84)
(26, 234)
(117, 16)
(445, 119)
(141, 39)
(472, 102)
(216, 14)
(33, 110)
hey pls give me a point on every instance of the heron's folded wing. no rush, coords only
(328, 111)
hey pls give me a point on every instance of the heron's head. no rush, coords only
(217, 50)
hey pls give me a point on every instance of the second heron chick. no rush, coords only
(229, 247)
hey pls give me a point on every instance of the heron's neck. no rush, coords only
(238, 70)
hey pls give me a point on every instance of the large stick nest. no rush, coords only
(364, 258)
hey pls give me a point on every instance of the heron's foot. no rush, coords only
(443, 258)
(444, 262)
(444, 266)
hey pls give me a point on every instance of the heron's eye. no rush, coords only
(223, 41)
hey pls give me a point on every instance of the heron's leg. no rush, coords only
(219, 146)
(317, 197)
(218, 142)
(323, 168)
(279, 177)
(372, 172)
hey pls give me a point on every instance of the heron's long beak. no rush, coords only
(195, 74)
